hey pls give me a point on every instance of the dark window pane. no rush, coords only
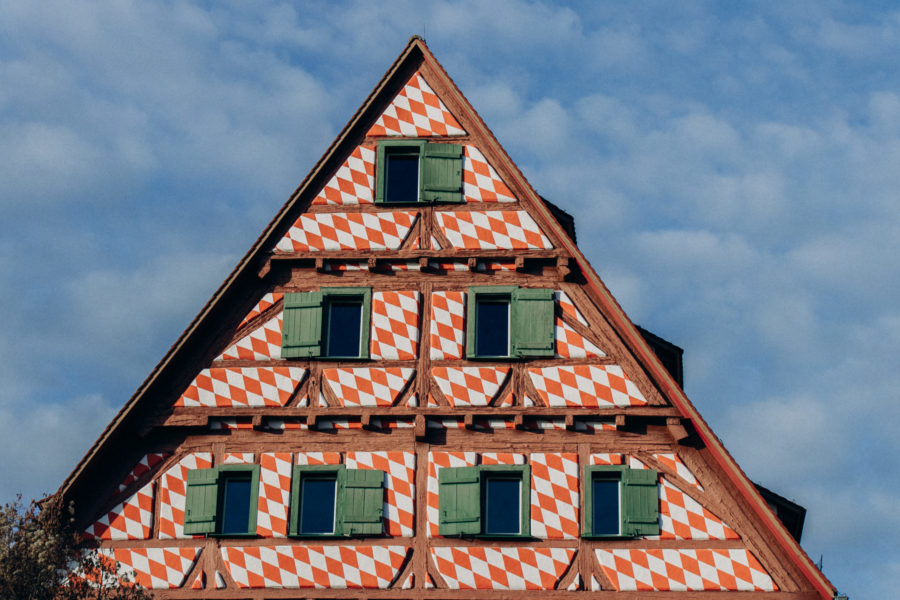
(492, 332)
(606, 506)
(502, 511)
(402, 178)
(236, 505)
(317, 505)
(344, 328)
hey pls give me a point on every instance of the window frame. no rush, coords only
(384, 150)
(489, 293)
(301, 471)
(531, 328)
(479, 475)
(216, 503)
(523, 474)
(304, 330)
(635, 501)
(342, 477)
(438, 165)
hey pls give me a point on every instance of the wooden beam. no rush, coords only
(677, 429)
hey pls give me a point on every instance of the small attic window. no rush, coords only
(411, 171)
(401, 174)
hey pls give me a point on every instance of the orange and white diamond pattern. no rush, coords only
(238, 458)
(131, 519)
(447, 321)
(480, 181)
(568, 307)
(154, 568)
(502, 458)
(416, 112)
(267, 302)
(354, 181)
(172, 489)
(242, 386)
(367, 386)
(673, 462)
(493, 568)
(571, 344)
(469, 386)
(683, 518)
(554, 495)
(262, 343)
(399, 489)
(436, 462)
(320, 567)
(348, 231)
(274, 494)
(726, 569)
(318, 458)
(395, 325)
(606, 458)
(143, 467)
(492, 230)
(588, 386)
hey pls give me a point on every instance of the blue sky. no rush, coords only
(733, 169)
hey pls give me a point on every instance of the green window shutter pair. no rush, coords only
(359, 499)
(460, 501)
(532, 319)
(202, 498)
(440, 169)
(303, 326)
(639, 500)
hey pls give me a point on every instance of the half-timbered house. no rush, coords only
(414, 385)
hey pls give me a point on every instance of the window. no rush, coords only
(487, 501)
(510, 322)
(620, 502)
(410, 171)
(331, 500)
(330, 323)
(222, 500)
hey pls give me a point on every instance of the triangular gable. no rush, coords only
(416, 112)
(413, 112)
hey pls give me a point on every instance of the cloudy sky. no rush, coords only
(734, 169)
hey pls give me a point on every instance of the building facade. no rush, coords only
(414, 385)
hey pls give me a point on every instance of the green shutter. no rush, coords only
(533, 332)
(201, 497)
(361, 507)
(459, 501)
(301, 329)
(441, 173)
(379, 174)
(640, 502)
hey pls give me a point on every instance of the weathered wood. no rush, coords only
(676, 428)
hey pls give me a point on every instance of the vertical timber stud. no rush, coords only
(533, 332)
(301, 329)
